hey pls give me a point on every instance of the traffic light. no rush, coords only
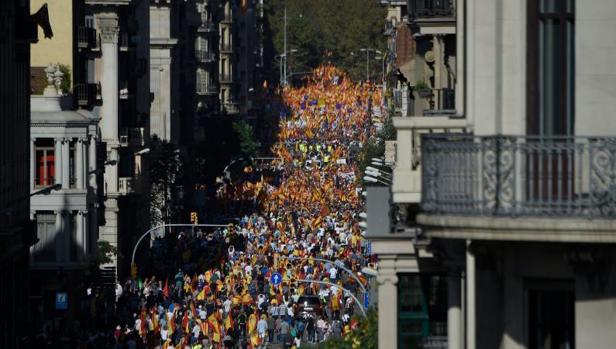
(133, 271)
(194, 219)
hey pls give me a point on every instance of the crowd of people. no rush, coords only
(248, 285)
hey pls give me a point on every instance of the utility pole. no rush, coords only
(284, 56)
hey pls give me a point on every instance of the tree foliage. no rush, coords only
(247, 141)
(105, 252)
(164, 172)
(325, 30)
(365, 336)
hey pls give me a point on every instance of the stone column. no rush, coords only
(32, 163)
(470, 298)
(460, 44)
(58, 237)
(388, 304)
(80, 236)
(109, 30)
(92, 163)
(57, 163)
(454, 311)
(68, 235)
(79, 164)
(65, 163)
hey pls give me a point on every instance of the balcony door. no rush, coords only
(550, 102)
(550, 68)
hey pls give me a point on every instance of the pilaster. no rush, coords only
(388, 304)
(92, 163)
(66, 163)
(32, 163)
(79, 164)
(57, 162)
(109, 30)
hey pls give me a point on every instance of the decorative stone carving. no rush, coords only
(108, 28)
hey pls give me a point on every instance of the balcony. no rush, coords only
(520, 187)
(389, 28)
(204, 56)
(403, 103)
(232, 106)
(132, 137)
(440, 101)
(433, 16)
(226, 48)
(227, 19)
(206, 88)
(226, 79)
(206, 27)
(125, 185)
(86, 37)
(86, 94)
(406, 184)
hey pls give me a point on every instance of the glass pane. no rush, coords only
(409, 342)
(571, 6)
(570, 77)
(412, 327)
(410, 295)
(551, 6)
(551, 80)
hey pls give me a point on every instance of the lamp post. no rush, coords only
(368, 50)
(151, 230)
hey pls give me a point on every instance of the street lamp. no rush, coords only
(368, 50)
(375, 180)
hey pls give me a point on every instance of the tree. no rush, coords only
(164, 172)
(328, 31)
(365, 336)
(245, 135)
(105, 252)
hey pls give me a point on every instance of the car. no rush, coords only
(309, 304)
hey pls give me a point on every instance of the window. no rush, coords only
(551, 319)
(422, 308)
(45, 163)
(71, 165)
(551, 64)
(45, 248)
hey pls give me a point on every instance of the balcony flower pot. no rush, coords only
(424, 93)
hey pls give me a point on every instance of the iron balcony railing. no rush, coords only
(226, 78)
(86, 37)
(419, 9)
(204, 56)
(441, 100)
(519, 175)
(86, 94)
(206, 88)
(206, 26)
(226, 47)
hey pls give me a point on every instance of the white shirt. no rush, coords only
(333, 272)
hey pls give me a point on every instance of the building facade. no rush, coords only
(63, 152)
(511, 197)
(16, 232)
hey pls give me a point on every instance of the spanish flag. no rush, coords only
(252, 323)
(201, 295)
(228, 322)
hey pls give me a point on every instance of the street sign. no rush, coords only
(366, 300)
(276, 279)
(61, 301)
